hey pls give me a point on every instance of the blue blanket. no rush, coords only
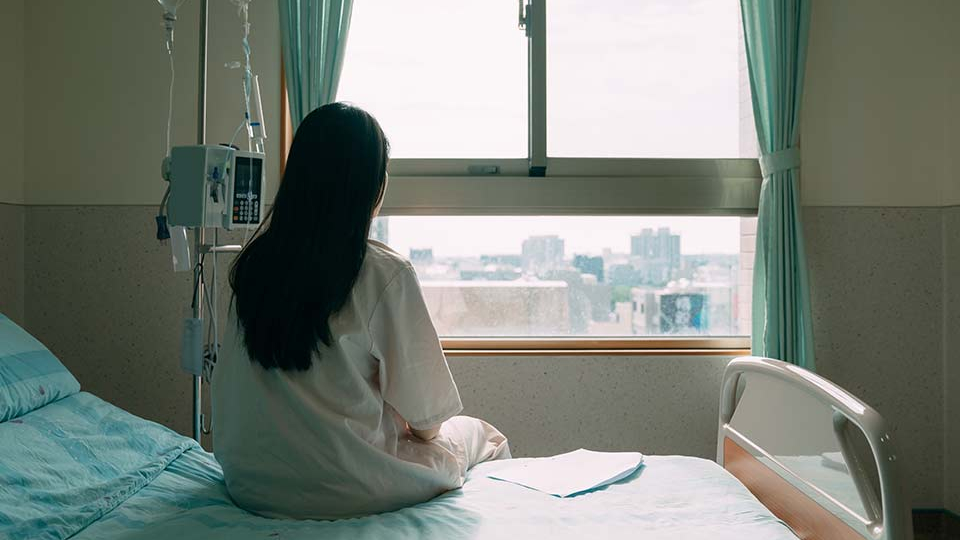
(65, 465)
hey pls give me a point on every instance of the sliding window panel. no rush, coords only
(445, 79)
(647, 79)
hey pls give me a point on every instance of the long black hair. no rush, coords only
(299, 270)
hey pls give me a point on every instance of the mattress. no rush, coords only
(148, 482)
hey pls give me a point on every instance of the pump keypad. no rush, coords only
(246, 211)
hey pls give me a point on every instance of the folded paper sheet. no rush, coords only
(571, 473)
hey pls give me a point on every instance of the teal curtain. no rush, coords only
(314, 38)
(776, 34)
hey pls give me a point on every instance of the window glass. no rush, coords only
(445, 79)
(647, 79)
(580, 275)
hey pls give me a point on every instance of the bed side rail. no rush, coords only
(882, 516)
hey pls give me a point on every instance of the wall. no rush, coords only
(880, 160)
(951, 236)
(114, 317)
(11, 156)
(951, 192)
(11, 261)
(11, 96)
(876, 284)
(548, 405)
(951, 328)
(873, 122)
(98, 77)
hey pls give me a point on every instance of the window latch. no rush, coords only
(523, 16)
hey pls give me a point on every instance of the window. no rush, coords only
(617, 79)
(513, 276)
(585, 169)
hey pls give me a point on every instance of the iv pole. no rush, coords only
(200, 246)
(199, 232)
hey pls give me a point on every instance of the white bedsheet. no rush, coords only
(668, 498)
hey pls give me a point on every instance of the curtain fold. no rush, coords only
(776, 34)
(314, 39)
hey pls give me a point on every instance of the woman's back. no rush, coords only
(323, 443)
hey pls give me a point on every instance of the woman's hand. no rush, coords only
(425, 434)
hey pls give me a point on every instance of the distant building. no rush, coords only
(656, 256)
(624, 275)
(542, 253)
(502, 260)
(686, 308)
(589, 265)
(684, 314)
(498, 308)
(661, 245)
(588, 300)
(421, 256)
(491, 273)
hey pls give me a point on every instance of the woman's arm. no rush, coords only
(414, 376)
(426, 434)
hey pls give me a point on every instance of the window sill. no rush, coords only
(724, 346)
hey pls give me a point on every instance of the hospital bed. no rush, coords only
(78, 467)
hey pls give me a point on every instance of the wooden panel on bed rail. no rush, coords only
(809, 520)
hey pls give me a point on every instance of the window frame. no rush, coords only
(543, 185)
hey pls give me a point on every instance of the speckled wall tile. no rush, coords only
(547, 405)
(11, 261)
(951, 230)
(876, 282)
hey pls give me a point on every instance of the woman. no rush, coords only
(332, 397)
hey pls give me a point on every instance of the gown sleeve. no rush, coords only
(414, 376)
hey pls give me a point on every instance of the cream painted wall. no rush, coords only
(98, 76)
(11, 99)
(951, 192)
(873, 121)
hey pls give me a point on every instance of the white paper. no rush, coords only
(571, 473)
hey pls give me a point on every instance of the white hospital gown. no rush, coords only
(331, 442)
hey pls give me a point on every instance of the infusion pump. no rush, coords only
(215, 186)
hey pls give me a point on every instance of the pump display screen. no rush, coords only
(247, 182)
(249, 171)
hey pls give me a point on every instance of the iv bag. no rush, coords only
(169, 19)
(170, 6)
